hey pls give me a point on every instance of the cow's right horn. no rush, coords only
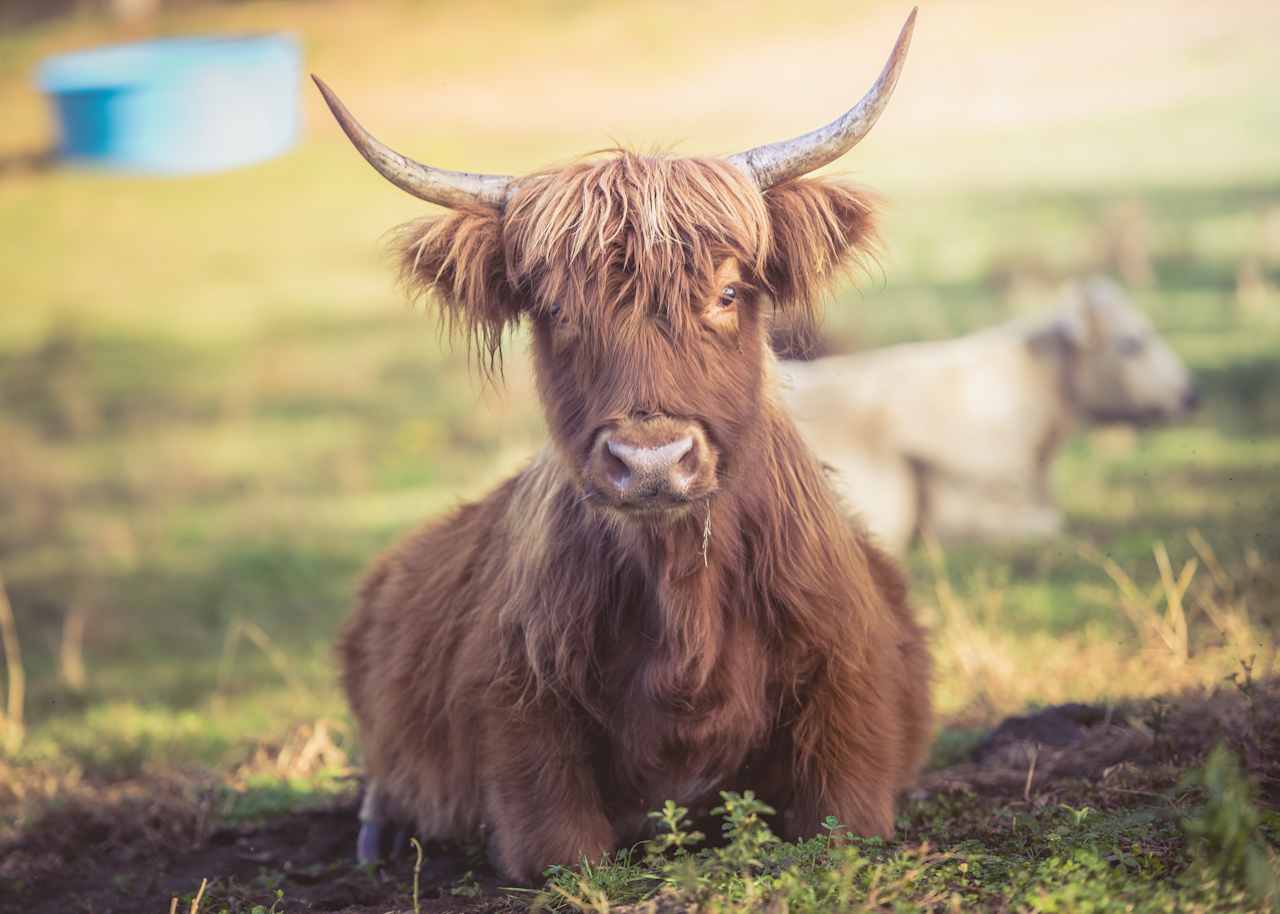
(774, 163)
(435, 185)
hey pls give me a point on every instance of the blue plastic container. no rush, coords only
(177, 105)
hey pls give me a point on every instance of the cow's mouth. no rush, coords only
(1146, 416)
(656, 508)
(1151, 417)
(653, 512)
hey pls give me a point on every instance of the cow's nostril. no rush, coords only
(615, 467)
(1191, 400)
(688, 464)
(681, 449)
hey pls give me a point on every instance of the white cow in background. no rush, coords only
(957, 437)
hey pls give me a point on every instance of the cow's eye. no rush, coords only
(728, 297)
(1130, 345)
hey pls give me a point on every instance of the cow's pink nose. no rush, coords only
(641, 471)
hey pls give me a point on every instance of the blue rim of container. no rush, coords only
(140, 62)
(169, 105)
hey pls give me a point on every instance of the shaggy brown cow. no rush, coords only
(668, 602)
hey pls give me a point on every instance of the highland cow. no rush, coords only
(956, 438)
(668, 601)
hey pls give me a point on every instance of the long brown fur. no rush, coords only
(544, 670)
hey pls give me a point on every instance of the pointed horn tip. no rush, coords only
(329, 95)
(325, 92)
(908, 27)
(339, 111)
(898, 56)
(775, 162)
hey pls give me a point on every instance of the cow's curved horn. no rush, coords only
(775, 162)
(435, 185)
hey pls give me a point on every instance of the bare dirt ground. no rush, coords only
(132, 847)
(137, 855)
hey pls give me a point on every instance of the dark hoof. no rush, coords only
(399, 841)
(369, 844)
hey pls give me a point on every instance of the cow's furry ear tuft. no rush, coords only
(818, 229)
(458, 260)
(1080, 323)
(1059, 337)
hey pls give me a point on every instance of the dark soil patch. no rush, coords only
(131, 848)
(1159, 739)
(123, 860)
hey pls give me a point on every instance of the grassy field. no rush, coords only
(215, 409)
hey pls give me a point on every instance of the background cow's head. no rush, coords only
(1119, 368)
(645, 281)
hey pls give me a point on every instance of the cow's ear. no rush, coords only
(1080, 325)
(458, 261)
(818, 228)
(1059, 338)
(1094, 314)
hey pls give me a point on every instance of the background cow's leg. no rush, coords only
(542, 798)
(880, 490)
(960, 508)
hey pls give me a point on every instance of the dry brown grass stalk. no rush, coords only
(1159, 629)
(307, 750)
(71, 649)
(257, 636)
(1192, 623)
(11, 720)
(195, 902)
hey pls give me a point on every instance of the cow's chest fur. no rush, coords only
(681, 723)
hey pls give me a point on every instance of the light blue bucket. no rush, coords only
(177, 105)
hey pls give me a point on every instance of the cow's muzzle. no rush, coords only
(651, 464)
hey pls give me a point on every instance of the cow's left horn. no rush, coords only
(435, 185)
(776, 162)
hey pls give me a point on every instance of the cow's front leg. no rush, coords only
(379, 827)
(848, 746)
(543, 803)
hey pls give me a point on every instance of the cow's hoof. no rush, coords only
(399, 841)
(369, 844)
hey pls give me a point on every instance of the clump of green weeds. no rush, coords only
(1225, 834)
(979, 856)
(750, 870)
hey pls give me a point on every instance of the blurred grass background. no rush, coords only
(215, 407)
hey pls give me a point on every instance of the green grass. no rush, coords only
(954, 855)
(215, 408)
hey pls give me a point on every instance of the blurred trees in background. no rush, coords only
(15, 13)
